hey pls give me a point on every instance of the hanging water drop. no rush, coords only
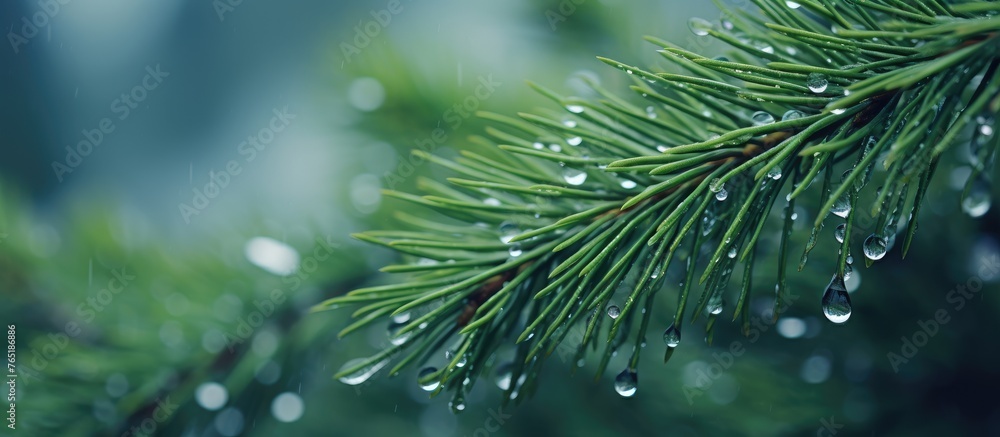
(841, 207)
(614, 311)
(362, 374)
(573, 176)
(538, 146)
(838, 111)
(515, 250)
(457, 404)
(817, 82)
(774, 173)
(699, 26)
(732, 252)
(761, 118)
(491, 201)
(791, 4)
(839, 232)
(555, 148)
(716, 185)
(762, 46)
(875, 247)
(628, 184)
(569, 123)
(504, 374)
(424, 374)
(672, 336)
(714, 306)
(721, 195)
(508, 230)
(978, 201)
(793, 114)
(627, 383)
(836, 301)
(395, 338)
(576, 109)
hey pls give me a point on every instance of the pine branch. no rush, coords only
(590, 206)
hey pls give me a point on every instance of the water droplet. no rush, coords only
(401, 318)
(672, 336)
(555, 148)
(491, 201)
(627, 383)
(362, 374)
(538, 146)
(573, 176)
(842, 207)
(576, 109)
(793, 114)
(569, 123)
(574, 141)
(661, 148)
(394, 337)
(628, 184)
(699, 26)
(761, 118)
(614, 311)
(839, 232)
(515, 250)
(458, 404)
(791, 4)
(762, 46)
(875, 247)
(716, 185)
(650, 112)
(462, 361)
(978, 201)
(429, 385)
(732, 252)
(721, 195)
(504, 374)
(714, 306)
(774, 173)
(817, 82)
(836, 301)
(508, 230)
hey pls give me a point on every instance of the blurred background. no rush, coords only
(145, 300)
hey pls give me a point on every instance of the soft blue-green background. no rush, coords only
(355, 118)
